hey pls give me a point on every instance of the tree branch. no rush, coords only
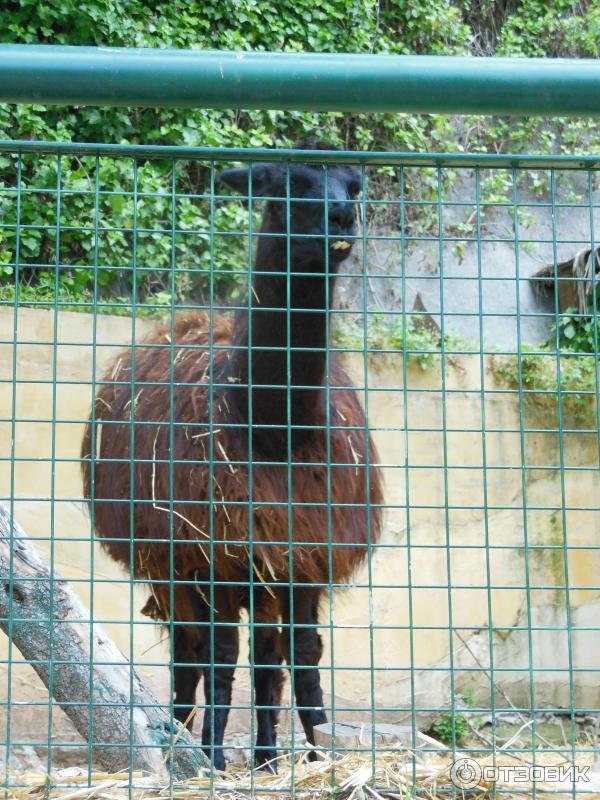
(84, 670)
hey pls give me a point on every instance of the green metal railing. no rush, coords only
(473, 620)
(306, 81)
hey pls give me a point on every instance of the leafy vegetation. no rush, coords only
(565, 369)
(418, 343)
(544, 374)
(548, 377)
(450, 728)
(579, 333)
(100, 233)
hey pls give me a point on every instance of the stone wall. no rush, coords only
(478, 563)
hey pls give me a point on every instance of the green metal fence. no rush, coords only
(466, 317)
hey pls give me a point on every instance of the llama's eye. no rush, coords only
(354, 187)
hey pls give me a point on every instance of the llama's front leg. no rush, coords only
(307, 650)
(186, 675)
(268, 683)
(220, 658)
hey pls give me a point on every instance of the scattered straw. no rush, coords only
(169, 510)
(262, 579)
(226, 457)
(390, 772)
(355, 455)
(116, 369)
(207, 433)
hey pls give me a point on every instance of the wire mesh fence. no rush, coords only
(329, 412)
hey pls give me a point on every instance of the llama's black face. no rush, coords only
(312, 203)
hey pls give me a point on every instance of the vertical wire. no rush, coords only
(171, 467)
(328, 472)
(251, 612)
(290, 500)
(92, 466)
(13, 436)
(559, 401)
(405, 399)
(132, 457)
(523, 463)
(445, 461)
(365, 290)
(486, 521)
(595, 319)
(51, 622)
(211, 471)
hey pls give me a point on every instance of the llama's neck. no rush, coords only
(300, 360)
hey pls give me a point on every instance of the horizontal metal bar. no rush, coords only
(293, 504)
(383, 428)
(179, 233)
(298, 81)
(565, 392)
(404, 586)
(298, 668)
(369, 201)
(337, 464)
(372, 276)
(354, 584)
(379, 158)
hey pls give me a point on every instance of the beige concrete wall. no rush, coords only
(414, 470)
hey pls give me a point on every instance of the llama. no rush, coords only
(182, 517)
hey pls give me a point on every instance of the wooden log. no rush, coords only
(85, 671)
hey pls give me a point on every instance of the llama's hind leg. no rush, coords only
(268, 680)
(307, 650)
(220, 657)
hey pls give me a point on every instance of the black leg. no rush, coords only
(218, 678)
(307, 651)
(185, 678)
(268, 683)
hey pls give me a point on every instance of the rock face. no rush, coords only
(348, 735)
(493, 540)
(461, 262)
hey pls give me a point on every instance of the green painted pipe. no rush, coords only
(300, 81)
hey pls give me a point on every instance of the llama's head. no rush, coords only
(317, 200)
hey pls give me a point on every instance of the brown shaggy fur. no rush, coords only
(146, 403)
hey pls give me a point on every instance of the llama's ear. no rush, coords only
(235, 178)
(265, 179)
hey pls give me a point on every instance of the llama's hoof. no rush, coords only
(217, 758)
(266, 760)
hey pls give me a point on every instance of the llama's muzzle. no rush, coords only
(341, 245)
